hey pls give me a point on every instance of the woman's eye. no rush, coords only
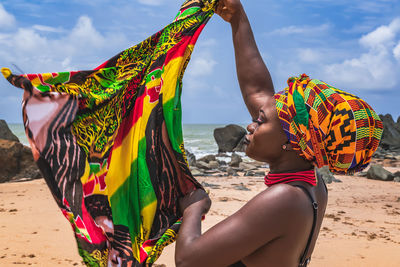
(258, 121)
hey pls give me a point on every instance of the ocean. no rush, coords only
(198, 138)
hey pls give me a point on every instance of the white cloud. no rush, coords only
(301, 30)
(6, 19)
(396, 52)
(152, 2)
(309, 55)
(34, 50)
(382, 36)
(376, 68)
(200, 66)
(45, 28)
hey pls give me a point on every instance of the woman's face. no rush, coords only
(266, 136)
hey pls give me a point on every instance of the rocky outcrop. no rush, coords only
(235, 160)
(229, 137)
(391, 134)
(377, 172)
(191, 158)
(17, 162)
(327, 175)
(5, 132)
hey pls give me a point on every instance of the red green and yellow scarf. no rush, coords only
(109, 143)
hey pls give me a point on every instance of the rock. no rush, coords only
(377, 172)
(249, 173)
(208, 158)
(231, 172)
(228, 138)
(241, 187)
(191, 158)
(202, 165)
(5, 132)
(16, 162)
(235, 160)
(391, 133)
(10, 155)
(212, 186)
(396, 176)
(196, 172)
(241, 146)
(259, 173)
(221, 162)
(213, 164)
(246, 166)
(327, 175)
(361, 174)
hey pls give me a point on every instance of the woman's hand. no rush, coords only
(197, 200)
(229, 10)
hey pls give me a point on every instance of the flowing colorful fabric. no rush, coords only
(328, 126)
(109, 143)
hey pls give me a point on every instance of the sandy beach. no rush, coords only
(361, 226)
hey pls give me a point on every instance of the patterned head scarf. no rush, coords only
(328, 126)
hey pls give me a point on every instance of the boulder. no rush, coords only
(203, 165)
(259, 173)
(241, 146)
(377, 172)
(196, 172)
(191, 158)
(208, 158)
(249, 173)
(5, 132)
(231, 172)
(213, 165)
(241, 187)
(228, 138)
(396, 176)
(391, 133)
(16, 162)
(246, 166)
(10, 155)
(327, 175)
(235, 160)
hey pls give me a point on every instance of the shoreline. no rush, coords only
(361, 225)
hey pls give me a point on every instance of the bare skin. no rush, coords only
(272, 229)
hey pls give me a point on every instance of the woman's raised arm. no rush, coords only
(253, 75)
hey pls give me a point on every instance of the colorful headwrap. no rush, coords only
(328, 126)
(109, 143)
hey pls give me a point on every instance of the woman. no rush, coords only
(279, 226)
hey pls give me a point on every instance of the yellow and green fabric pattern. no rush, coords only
(109, 143)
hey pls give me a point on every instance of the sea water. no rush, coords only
(198, 138)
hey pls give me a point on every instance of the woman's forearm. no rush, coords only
(253, 75)
(189, 231)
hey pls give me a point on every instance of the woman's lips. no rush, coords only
(246, 140)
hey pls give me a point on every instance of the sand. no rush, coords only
(361, 226)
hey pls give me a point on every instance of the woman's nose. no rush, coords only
(252, 127)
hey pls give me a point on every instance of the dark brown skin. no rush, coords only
(272, 229)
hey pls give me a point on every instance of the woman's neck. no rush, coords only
(290, 161)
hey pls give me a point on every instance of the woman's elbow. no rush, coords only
(182, 260)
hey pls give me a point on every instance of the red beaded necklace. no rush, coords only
(284, 178)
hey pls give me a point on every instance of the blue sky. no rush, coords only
(353, 45)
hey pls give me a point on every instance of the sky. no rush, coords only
(352, 45)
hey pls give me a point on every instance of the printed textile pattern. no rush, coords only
(109, 143)
(328, 126)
